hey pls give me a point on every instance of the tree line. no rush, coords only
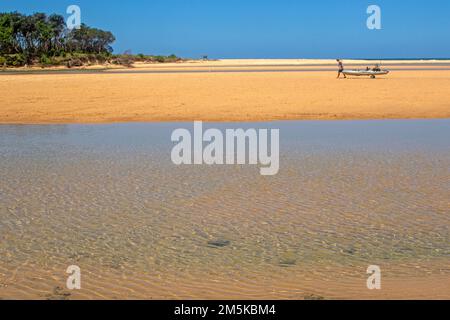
(27, 39)
(46, 40)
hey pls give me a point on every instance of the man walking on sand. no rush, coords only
(341, 68)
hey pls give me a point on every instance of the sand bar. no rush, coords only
(219, 96)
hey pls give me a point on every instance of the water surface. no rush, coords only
(107, 198)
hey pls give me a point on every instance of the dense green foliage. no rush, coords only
(46, 41)
(43, 39)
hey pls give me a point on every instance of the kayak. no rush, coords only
(364, 72)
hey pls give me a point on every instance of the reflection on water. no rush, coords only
(108, 199)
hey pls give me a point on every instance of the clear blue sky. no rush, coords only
(264, 29)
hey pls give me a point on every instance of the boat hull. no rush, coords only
(369, 73)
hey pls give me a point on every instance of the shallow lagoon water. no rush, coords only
(108, 198)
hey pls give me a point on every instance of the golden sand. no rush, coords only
(233, 96)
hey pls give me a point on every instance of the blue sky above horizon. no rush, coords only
(263, 29)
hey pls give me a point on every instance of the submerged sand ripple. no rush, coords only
(141, 228)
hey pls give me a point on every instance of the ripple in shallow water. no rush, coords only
(108, 199)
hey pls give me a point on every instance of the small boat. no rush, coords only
(364, 72)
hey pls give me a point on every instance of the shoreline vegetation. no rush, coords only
(44, 41)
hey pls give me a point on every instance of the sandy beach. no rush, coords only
(220, 159)
(274, 90)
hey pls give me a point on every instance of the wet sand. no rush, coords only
(219, 91)
(31, 281)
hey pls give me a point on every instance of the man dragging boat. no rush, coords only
(341, 68)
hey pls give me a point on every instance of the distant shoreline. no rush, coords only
(216, 65)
